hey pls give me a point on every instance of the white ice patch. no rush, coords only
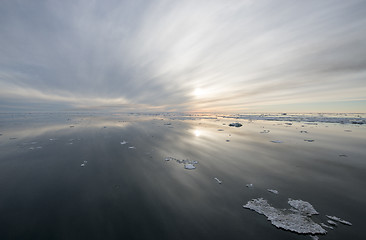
(334, 218)
(302, 206)
(132, 147)
(189, 166)
(326, 226)
(295, 222)
(123, 142)
(218, 180)
(272, 191)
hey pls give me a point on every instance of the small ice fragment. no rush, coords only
(218, 180)
(302, 206)
(123, 142)
(276, 141)
(85, 162)
(332, 222)
(339, 220)
(52, 139)
(82, 165)
(272, 191)
(326, 226)
(189, 166)
(249, 185)
(133, 147)
(39, 147)
(309, 140)
(235, 125)
(314, 237)
(31, 148)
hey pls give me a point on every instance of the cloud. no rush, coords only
(152, 55)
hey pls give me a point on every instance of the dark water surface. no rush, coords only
(133, 193)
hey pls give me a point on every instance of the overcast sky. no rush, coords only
(238, 56)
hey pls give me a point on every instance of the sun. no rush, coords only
(198, 92)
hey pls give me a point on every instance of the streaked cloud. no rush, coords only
(154, 55)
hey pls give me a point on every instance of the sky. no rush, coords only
(183, 56)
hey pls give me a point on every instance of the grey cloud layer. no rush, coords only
(144, 54)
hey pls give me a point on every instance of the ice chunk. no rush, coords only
(339, 220)
(314, 237)
(235, 125)
(82, 165)
(132, 147)
(272, 191)
(189, 166)
(265, 131)
(218, 180)
(302, 206)
(249, 185)
(276, 141)
(309, 140)
(326, 226)
(332, 222)
(123, 142)
(295, 222)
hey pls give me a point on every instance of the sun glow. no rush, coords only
(199, 92)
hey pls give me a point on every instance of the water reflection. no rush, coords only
(136, 194)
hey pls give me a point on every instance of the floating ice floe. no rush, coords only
(132, 147)
(326, 226)
(218, 180)
(295, 222)
(332, 222)
(249, 185)
(277, 141)
(123, 142)
(302, 206)
(83, 164)
(334, 218)
(189, 166)
(272, 191)
(309, 140)
(265, 131)
(235, 125)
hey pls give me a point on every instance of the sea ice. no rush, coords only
(295, 222)
(235, 125)
(218, 180)
(123, 142)
(272, 191)
(314, 237)
(265, 131)
(332, 222)
(276, 141)
(339, 220)
(189, 166)
(326, 226)
(82, 165)
(302, 206)
(132, 147)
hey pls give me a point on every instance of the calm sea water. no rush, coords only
(129, 191)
